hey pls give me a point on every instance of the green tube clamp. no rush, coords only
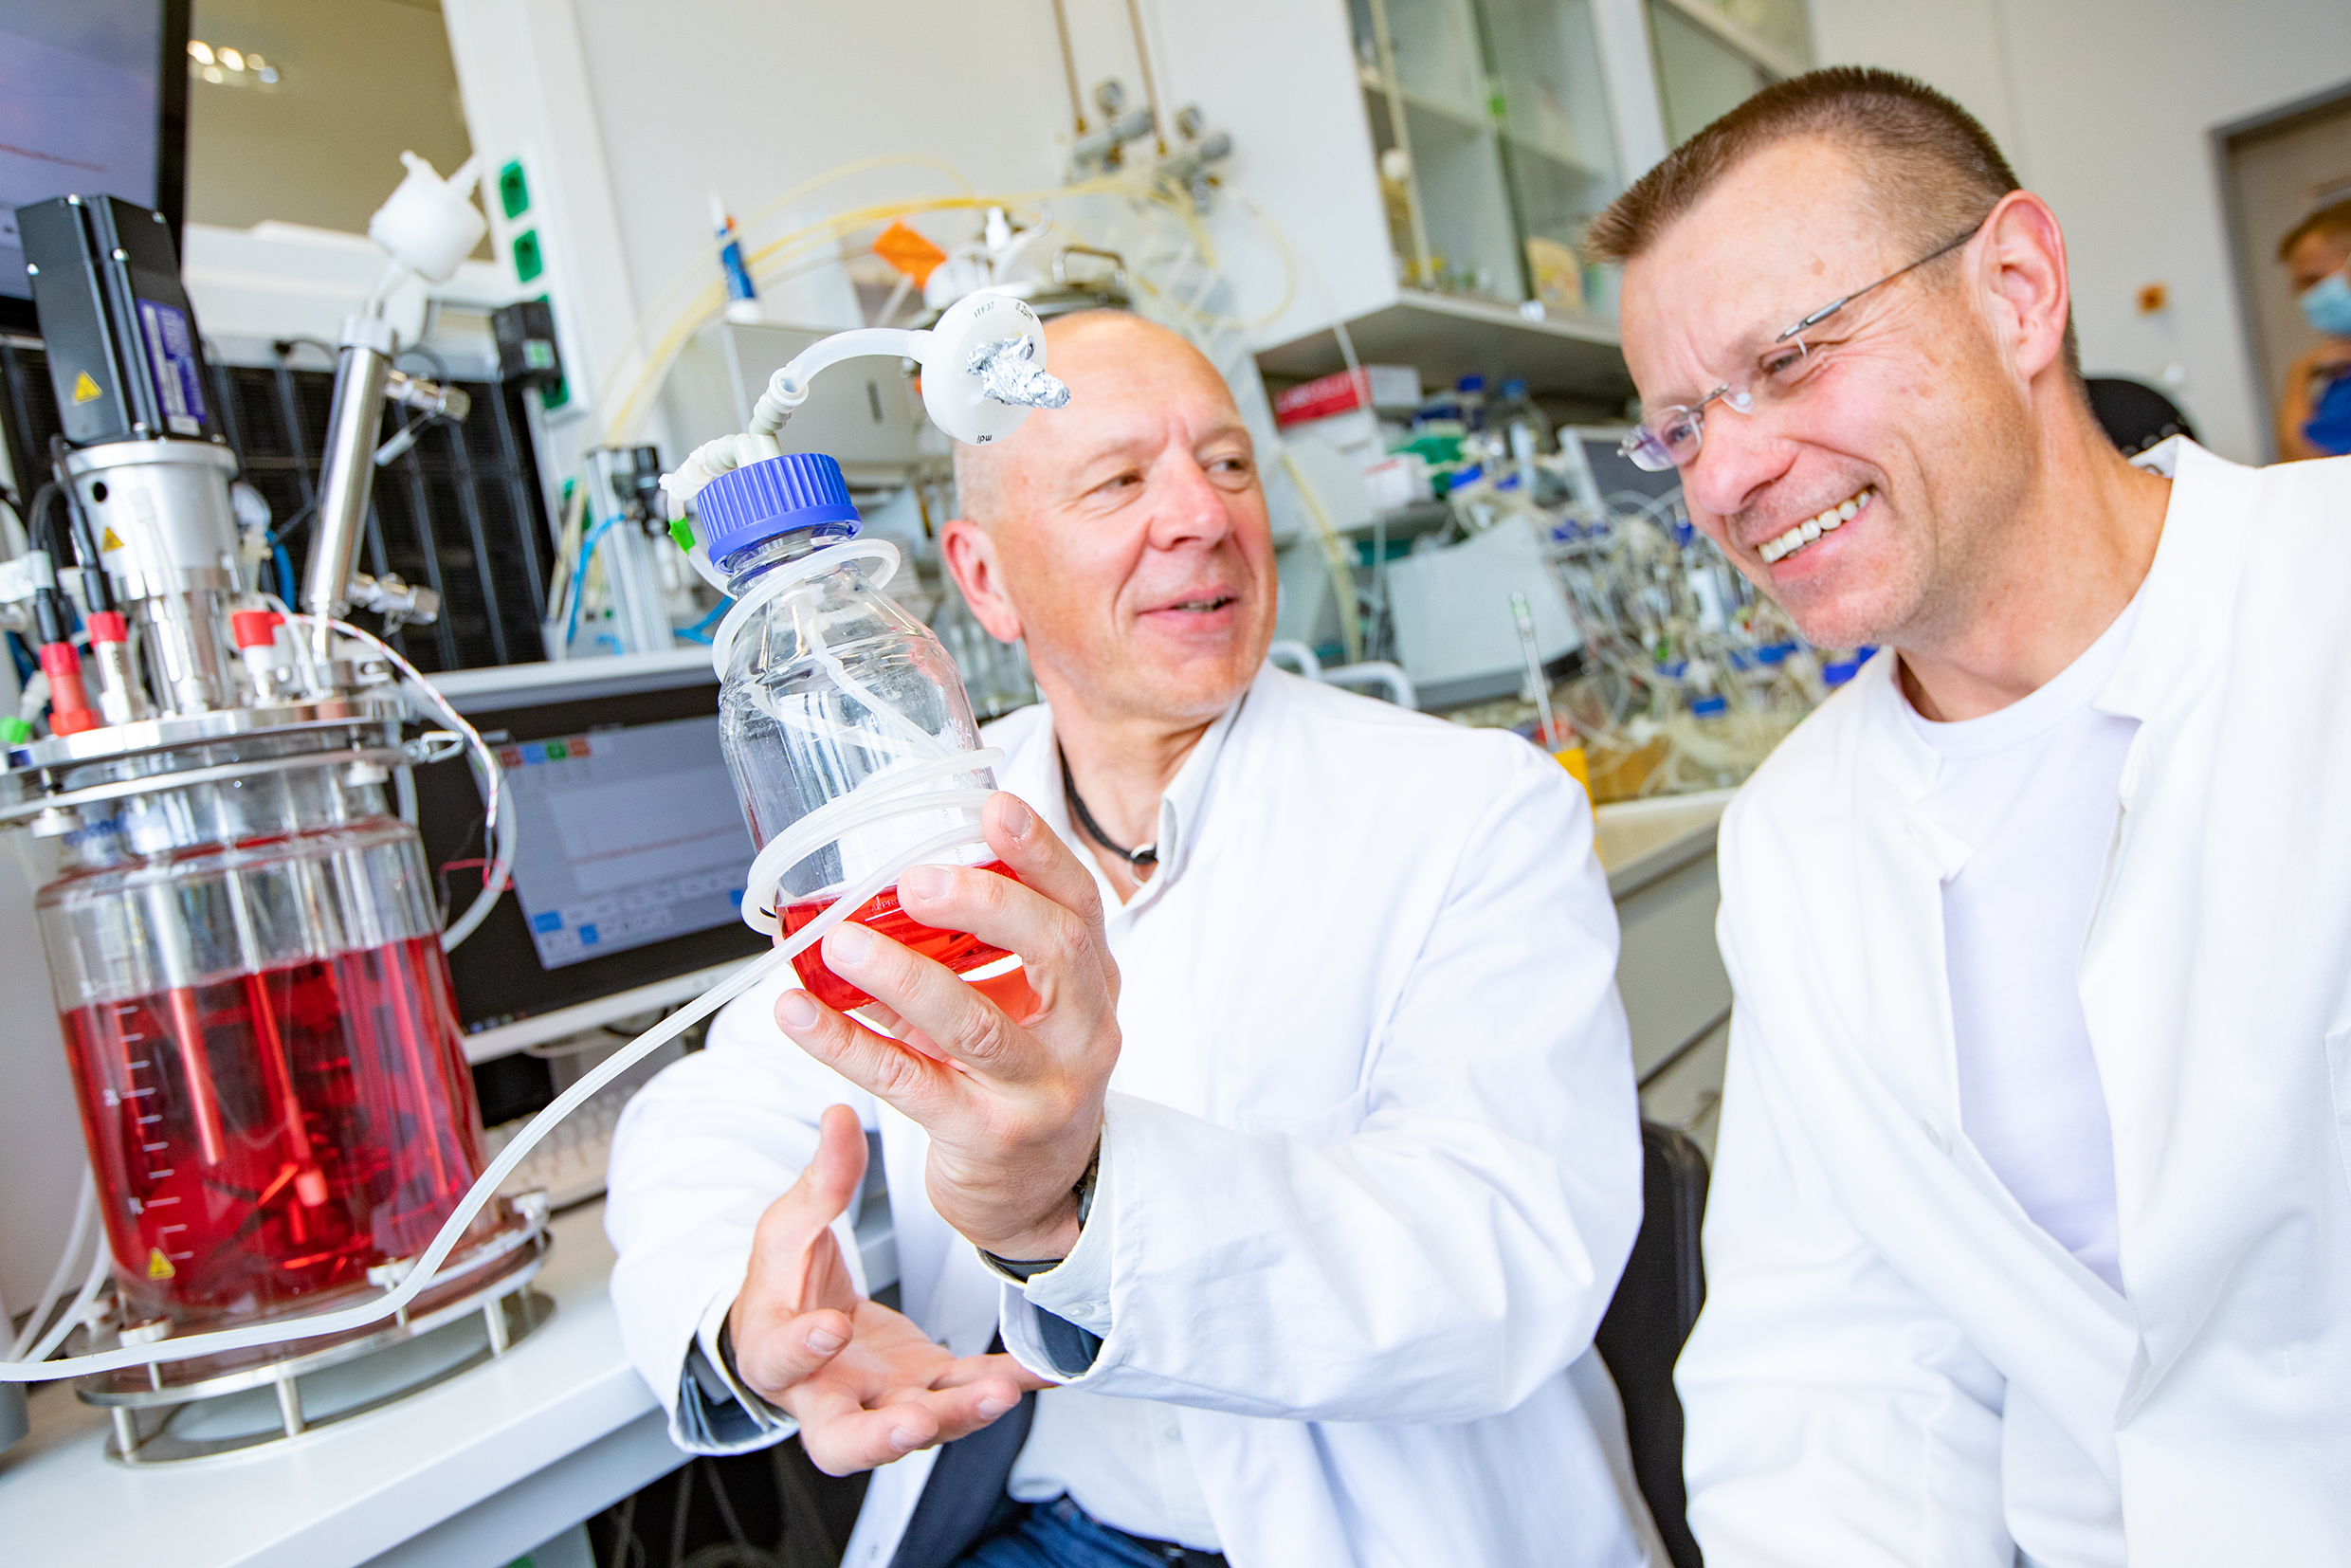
(682, 531)
(14, 731)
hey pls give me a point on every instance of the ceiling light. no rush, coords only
(231, 59)
(255, 62)
(212, 73)
(199, 52)
(269, 74)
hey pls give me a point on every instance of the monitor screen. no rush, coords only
(93, 102)
(631, 851)
(630, 835)
(1615, 473)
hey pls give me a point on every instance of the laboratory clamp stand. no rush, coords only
(242, 936)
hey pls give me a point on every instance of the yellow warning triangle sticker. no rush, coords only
(85, 390)
(112, 541)
(158, 1266)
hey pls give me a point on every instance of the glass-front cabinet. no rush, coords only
(1491, 125)
(1713, 55)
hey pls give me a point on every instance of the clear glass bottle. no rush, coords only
(828, 687)
(272, 1082)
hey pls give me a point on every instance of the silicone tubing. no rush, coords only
(789, 386)
(786, 390)
(85, 1210)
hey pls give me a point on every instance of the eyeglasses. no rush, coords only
(1670, 437)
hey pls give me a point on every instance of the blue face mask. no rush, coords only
(2327, 304)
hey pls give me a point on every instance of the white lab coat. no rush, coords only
(1373, 1168)
(1895, 1366)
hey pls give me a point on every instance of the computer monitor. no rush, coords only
(630, 850)
(93, 102)
(1612, 473)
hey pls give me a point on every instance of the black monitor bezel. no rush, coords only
(170, 192)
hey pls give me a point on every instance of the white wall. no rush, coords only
(362, 81)
(2106, 109)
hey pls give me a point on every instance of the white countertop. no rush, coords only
(347, 1494)
(1639, 841)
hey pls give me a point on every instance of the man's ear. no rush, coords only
(971, 557)
(2025, 266)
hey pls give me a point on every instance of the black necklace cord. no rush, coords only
(1140, 859)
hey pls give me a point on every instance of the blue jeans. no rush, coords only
(1061, 1535)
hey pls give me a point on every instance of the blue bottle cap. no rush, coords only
(1471, 383)
(1514, 386)
(777, 496)
(1706, 707)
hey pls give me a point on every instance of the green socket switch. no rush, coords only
(514, 191)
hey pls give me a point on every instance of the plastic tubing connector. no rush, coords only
(70, 706)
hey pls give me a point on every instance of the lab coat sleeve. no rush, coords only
(1440, 1244)
(1833, 1417)
(699, 1154)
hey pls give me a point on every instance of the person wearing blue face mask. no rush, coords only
(2314, 414)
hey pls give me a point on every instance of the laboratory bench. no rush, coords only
(480, 1469)
(470, 1473)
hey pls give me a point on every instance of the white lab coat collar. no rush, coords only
(2196, 562)
(1035, 775)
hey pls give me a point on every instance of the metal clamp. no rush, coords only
(223, 773)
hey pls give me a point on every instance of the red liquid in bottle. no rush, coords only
(958, 950)
(265, 1137)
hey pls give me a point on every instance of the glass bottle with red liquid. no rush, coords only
(258, 1015)
(832, 690)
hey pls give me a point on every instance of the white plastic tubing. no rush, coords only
(497, 831)
(904, 790)
(786, 390)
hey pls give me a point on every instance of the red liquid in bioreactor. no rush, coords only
(264, 1138)
(958, 950)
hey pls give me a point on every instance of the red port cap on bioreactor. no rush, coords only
(107, 626)
(255, 628)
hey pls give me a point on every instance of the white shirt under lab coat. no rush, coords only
(1374, 1165)
(1895, 1365)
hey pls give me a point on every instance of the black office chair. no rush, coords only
(1656, 1302)
(2134, 415)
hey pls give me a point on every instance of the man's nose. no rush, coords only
(1737, 455)
(1188, 507)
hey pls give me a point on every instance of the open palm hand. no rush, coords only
(866, 1384)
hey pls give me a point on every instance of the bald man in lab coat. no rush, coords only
(1298, 1187)
(2030, 1227)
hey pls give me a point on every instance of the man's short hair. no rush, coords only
(1931, 166)
(2333, 220)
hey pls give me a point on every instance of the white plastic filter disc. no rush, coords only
(951, 393)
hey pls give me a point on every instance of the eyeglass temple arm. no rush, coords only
(1835, 305)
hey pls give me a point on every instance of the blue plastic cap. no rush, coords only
(1706, 707)
(1471, 383)
(769, 498)
(1514, 386)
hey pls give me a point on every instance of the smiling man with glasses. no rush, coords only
(2031, 1230)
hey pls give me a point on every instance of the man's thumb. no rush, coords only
(838, 1169)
